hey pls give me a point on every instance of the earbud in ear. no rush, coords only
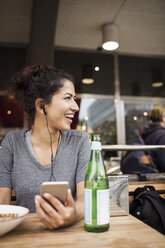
(43, 108)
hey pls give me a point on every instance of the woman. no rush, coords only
(48, 152)
(154, 134)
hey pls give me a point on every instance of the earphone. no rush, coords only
(44, 110)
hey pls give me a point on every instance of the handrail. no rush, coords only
(132, 147)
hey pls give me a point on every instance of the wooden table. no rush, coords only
(125, 231)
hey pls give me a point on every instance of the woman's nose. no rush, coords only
(74, 106)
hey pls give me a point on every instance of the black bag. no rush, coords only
(149, 207)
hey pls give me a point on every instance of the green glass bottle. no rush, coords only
(96, 192)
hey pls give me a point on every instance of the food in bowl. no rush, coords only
(10, 217)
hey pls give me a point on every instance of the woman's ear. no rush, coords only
(40, 106)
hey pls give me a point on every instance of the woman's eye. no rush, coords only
(67, 98)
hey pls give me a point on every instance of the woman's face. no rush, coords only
(62, 108)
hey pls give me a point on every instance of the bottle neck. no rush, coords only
(96, 167)
(96, 158)
(96, 155)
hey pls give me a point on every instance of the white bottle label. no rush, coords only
(103, 207)
(88, 206)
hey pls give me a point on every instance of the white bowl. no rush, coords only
(8, 225)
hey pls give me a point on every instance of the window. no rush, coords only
(98, 116)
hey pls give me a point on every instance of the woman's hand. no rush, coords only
(53, 213)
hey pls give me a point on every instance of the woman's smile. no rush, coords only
(69, 117)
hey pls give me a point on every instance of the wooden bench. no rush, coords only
(159, 186)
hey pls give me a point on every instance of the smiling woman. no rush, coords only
(48, 152)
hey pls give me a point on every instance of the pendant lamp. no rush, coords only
(110, 36)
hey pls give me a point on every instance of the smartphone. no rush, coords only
(57, 189)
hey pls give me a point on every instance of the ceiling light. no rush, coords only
(157, 78)
(87, 74)
(87, 80)
(97, 68)
(157, 84)
(110, 36)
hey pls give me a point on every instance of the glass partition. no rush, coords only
(136, 117)
(99, 116)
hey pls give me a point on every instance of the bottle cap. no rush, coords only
(96, 145)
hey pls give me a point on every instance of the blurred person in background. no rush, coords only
(154, 134)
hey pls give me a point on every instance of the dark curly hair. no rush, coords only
(37, 81)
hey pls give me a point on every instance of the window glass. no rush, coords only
(136, 117)
(98, 116)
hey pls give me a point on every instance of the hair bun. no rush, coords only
(18, 85)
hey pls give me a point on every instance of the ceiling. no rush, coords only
(141, 24)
